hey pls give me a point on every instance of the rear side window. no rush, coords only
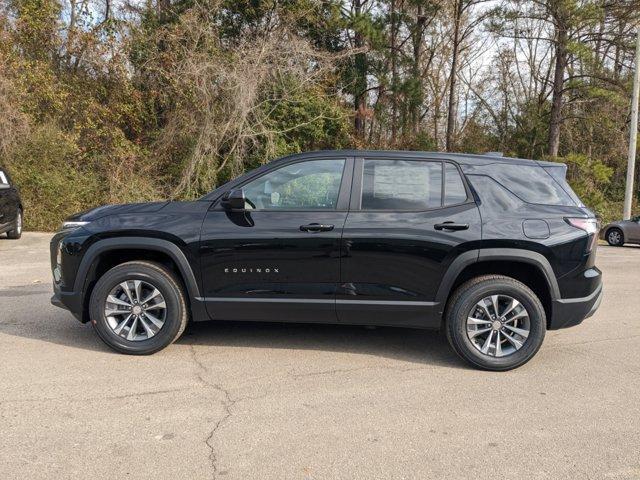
(559, 174)
(401, 185)
(533, 184)
(454, 191)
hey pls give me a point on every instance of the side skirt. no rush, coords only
(391, 313)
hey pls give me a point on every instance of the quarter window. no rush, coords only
(454, 191)
(4, 182)
(310, 185)
(531, 183)
(401, 185)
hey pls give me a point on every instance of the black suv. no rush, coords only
(493, 250)
(10, 207)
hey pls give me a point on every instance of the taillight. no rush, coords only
(589, 225)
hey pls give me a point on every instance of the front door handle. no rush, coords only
(316, 227)
(451, 226)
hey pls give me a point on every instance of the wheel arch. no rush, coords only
(107, 253)
(528, 267)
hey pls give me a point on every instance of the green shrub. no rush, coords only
(51, 185)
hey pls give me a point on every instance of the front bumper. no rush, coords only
(63, 268)
(71, 301)
(568, 312)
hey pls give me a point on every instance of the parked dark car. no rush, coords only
(10, 207)
(493, 250)
(624, 231)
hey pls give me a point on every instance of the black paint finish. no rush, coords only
(265, 255)
(10, 203)
(400, 256)
(345, 265)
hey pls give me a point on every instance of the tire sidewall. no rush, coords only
(16, 233)
(458, 329)
(620, 242)
(167, 287)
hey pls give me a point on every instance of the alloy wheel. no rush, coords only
(135, 310)
(614, 237)
(19, 223)
(498, 325)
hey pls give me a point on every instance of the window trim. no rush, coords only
(358, 179)
(344, 192)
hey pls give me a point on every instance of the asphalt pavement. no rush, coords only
(295, 401)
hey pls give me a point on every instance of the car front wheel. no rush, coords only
(495, 322)
(138, 308)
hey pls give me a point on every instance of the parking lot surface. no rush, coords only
(282, 401)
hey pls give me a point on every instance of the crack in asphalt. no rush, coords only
(228, 403)
(348, 370)
(600, 340)
(94, 399)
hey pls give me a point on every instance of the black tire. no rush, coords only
(461, 305)
(613, 240)
(16, 233)
(170, 288)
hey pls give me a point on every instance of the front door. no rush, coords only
(280, 259)
(409, 219)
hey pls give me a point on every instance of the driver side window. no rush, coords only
(310, 185)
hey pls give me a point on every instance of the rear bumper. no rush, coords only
(568, 312)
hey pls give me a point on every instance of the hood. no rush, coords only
(104, 210)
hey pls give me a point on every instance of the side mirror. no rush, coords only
(234, 201)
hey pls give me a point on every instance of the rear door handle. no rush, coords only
(451, 226)
(316, 227)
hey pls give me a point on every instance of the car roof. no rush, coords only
(460, 158)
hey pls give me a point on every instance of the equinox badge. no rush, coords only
(251, 270)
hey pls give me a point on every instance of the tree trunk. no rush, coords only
(360, 87)
(394, 73)
(451, 115)
(416, 96)
(558, 84)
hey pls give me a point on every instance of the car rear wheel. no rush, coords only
(138, 308)
(16, 233)
(495, 322)
(615, 237)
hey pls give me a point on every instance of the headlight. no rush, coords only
(66, 225)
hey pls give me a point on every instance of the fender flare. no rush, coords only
(496, 254)
(146, 243)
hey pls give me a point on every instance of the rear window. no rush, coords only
(532, 183)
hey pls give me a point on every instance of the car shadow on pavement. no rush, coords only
(53, 325)
(405, 344)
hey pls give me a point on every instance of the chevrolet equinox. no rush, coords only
(492, 250)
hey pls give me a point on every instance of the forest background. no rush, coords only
(111, 101)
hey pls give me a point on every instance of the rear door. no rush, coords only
(409, 219)
(280, 259)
